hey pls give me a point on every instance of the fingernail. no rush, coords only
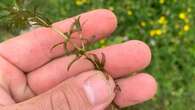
(98, 89)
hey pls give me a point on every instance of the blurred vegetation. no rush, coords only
(167, 26)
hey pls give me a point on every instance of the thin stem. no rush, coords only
(53, 28)
(60, 33)
(42, 21)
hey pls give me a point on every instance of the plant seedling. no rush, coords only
(93, 58)
(76, 27)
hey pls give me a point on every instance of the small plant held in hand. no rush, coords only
(99, 64)
(22, 17)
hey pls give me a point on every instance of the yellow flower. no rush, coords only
(183, 15)
(186, 27)
(152, 33)
(158, 32)
(161, 1)
(129, 12)
(143, 23)
(155, 32)
(80, 2)
(162, 20)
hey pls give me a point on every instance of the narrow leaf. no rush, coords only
(72, 62)
(61, 43)
(103, 61)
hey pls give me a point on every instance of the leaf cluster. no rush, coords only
(18, 16)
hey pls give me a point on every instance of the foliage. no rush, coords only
(166, 25)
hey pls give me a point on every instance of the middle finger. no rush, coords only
(121, 59)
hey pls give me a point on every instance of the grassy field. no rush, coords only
(167, 26)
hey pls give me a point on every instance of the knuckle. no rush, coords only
(69, 98)
(59, 101)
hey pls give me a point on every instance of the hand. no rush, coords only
(34, 78)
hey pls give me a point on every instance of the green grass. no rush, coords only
(172, 46)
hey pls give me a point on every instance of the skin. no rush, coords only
(30, 73)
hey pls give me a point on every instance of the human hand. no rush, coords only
(34, 78)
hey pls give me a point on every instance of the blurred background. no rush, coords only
(167, 26)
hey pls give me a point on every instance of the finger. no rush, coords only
(135, 89)
(13, 84)
(121, 59)
(31, 50)
(76, 93)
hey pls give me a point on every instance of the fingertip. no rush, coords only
(125, 58)
(100, 23)
(145, 50)
(112, 18)
(136, 89)
(151, 84)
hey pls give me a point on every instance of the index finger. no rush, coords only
(32, 50)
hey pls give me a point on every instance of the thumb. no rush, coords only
(88, 91)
